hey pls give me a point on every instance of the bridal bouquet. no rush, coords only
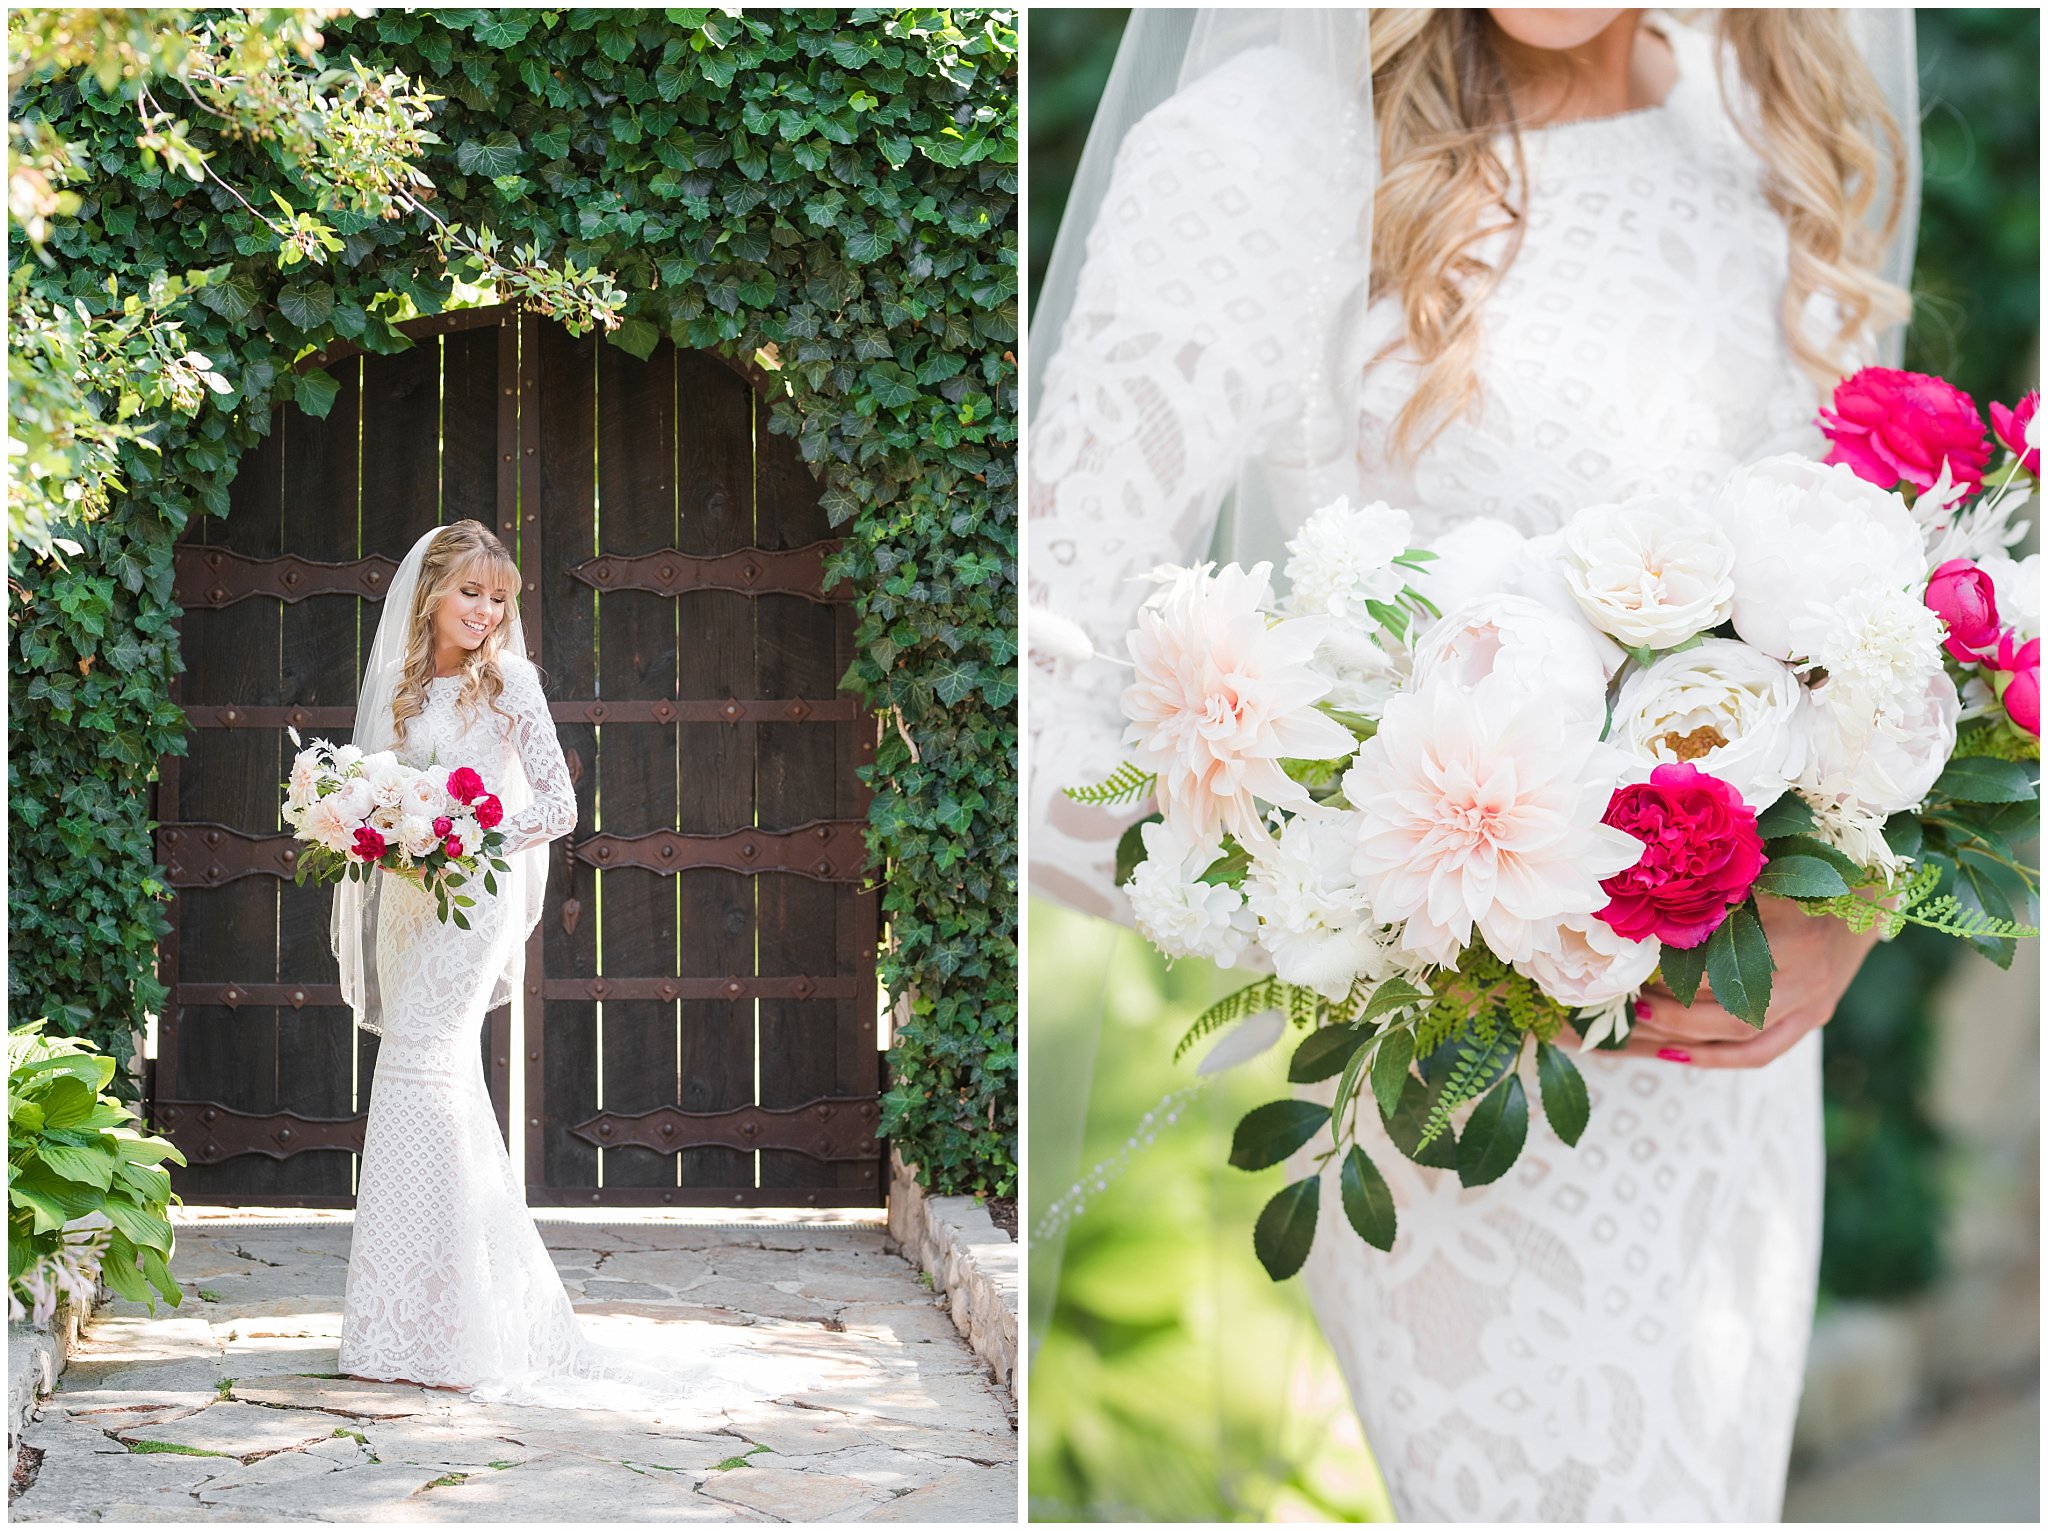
(358, 812)
(1469, 799)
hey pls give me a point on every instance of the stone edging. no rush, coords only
(36, 1354)
(971, 1261)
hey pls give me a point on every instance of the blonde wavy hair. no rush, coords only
(461, 548)
(1440, 97)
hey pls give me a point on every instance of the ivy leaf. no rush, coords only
(636, 337)
(1287, 1228)
(1368, 1204)
(1494, 1133)
(1269, 1133)
(316, 392)
(308, 305)
(1739, 965)
(496, 155)
(234, 299)
(1565, 1105)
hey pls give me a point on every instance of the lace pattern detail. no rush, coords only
(1616, 1331)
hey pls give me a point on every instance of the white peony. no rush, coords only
(1314, 918)
(1735, 713)
(1344, 556)
(1807, 535)
(1481, 810)
(1878, 767)
(1532, 651)
(352, 799)
(417, 835)
(1592, 964)
(1474, 558)
(1650, 572)
(425, 796)
(1222, 696)
(1179, 913)
(2016, 585)
(387, 780)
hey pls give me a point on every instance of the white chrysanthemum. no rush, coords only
(1650, 572)
(1344, 556)
(1878, 648)
(1179, 913)
(1481, 809)
(2016, 586)
(346, 756)
(1735, 713)
(417, 835)
(1222, 696)
(1806, 535)
(465, 828)
(1313, 916)
(1532, 650)
(1879, 765)
(1592, 964)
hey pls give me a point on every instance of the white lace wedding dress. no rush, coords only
(449, 1283)
(1616, 1331)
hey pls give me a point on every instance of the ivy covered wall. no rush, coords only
(839, 186)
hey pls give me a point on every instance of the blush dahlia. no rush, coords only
(1701, 854)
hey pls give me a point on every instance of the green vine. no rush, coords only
(835, 191)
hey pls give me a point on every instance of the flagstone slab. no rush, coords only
(955, 1399)
(791, 1494)
(906, 1323)
(373, 1492)
(348, 1397)
(583, 1491)
(680, 1452)
(975, 1495)
(81, 1488)
(242, 1429)
(285, 1467)
(455, 1443)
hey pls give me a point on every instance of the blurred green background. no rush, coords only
(1173, 1381)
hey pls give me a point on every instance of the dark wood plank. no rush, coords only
(636, 764)
(400, 501)
(469, 428)
(564, 400)
(231, 777)
(322, 668)
(716, 764)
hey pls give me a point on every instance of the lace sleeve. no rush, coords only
(551, 813)
(1191, 317)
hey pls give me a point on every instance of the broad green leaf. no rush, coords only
(1789, 815)
(1984, 779)
(1799, 877)
(1564, 1092)
(1682, 968)
(1368, 1204)
(1287, 1227)
(308, 305)
(636, 337)
(1269, 1133)
(1130, 849)
(1390, 1070)
(86, 1166)
(1405, 1127)
(1324, 1052)
(143, 1226)
(1739, 966)
(1389, 997)
(499, 154)
(1494, 1133)
(1904, 834)
(315, 393)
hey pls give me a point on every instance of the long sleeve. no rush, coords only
(1197, 313)
(551, 812)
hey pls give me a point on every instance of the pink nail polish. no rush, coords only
(1642, 1010)
(1674, 1055)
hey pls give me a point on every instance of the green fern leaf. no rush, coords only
(1126, 784)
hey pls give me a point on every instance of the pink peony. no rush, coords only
(1962, 595)
(1701, 854)
(369, 845)
(464, 785)
(441, 827)
(1892, 427)
(2019, 683)
(453, 846)
(2014, 425)
(488, 810)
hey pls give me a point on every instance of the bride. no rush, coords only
(1490, 267)
(449, 1284)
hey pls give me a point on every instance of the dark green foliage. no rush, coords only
(1287, 1228)
(1269, 1133)
(1368, 1203)
(839, 186)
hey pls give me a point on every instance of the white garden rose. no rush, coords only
(386, 821)
(387, 780)
(417, 835)
(1883, 769)
(1735, 713)
(1650, 572)
(353, 799)
(1314, 918)
(424, 796)
(1592, 963)
(1807, 535)
(1179, 913)
(1532, 650)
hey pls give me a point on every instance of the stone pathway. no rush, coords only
(226, 1409)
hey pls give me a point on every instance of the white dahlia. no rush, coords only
(1222, 696)
(1481, 809)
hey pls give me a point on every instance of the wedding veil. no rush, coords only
(1296, 451)
(354, 924)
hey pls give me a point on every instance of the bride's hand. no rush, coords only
(1815, 960)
